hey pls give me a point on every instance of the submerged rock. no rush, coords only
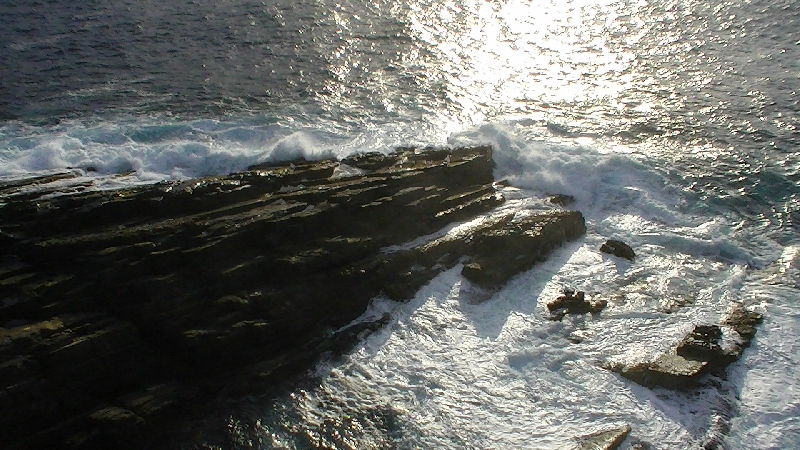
(143, 304)
(700, 352)
(618, 248)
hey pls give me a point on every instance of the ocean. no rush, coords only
(674, 123)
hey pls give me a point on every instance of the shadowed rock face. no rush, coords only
(126, 312)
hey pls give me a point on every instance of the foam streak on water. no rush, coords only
(151, 150)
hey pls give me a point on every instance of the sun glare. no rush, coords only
(490, 51)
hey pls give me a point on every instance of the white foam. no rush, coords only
(159, 148)
(465, 373)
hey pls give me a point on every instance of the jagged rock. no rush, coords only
(225, 283)
(561, 199)
(604, 440)
(699, 352)
(618, 248)
(743, 321)
(572, 302)
(56, 368)
(702, 343)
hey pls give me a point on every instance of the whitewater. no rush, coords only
(674, 124)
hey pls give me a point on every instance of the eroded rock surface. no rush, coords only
(701, 351)
(127, 311)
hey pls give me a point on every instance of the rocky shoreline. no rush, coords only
(126, 312)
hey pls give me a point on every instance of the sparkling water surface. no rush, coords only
(675, 124)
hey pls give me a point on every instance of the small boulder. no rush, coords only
(573, 302)
(618, 248)
(473, 272)
(604, 440)
(668, 370)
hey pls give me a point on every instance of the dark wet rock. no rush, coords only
(513, 245)
(742, 321)
(115, 417)
(700, 352)
(668, 370)
(572, 302)
(618, 248)
(703, 343)
(57, 368)
(561, 199)
(368, 161)
(604, 440)
(136, 308)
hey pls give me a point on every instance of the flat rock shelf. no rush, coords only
(126, 312)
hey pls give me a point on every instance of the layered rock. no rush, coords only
(700, 352)
(134, 307)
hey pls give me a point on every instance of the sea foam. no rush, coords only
(151, 149)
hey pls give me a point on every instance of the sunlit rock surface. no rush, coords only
(604, 440)
(703, 350)
(126, 312)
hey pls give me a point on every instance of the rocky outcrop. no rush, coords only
(619, 249)
(703, 350)
(572, 302)
(604, 440)
(127, 311)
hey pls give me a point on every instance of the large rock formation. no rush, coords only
(700, 352)
(125, 312)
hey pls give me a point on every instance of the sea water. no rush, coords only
(674, 124)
